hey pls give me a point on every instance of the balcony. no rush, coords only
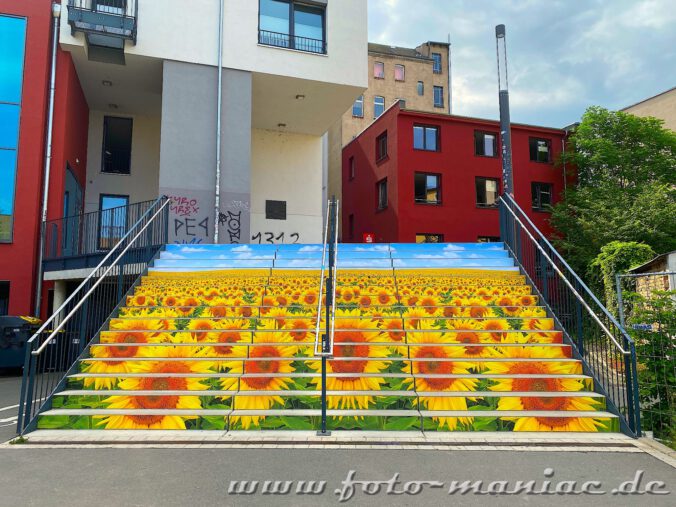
(284, 40)
(82, 241)
(107, 24)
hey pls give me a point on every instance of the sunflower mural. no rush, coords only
(433, 349)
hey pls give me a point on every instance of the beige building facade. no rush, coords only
(662, 106)
(420, 76)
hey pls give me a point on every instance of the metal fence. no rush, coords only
(284, 40)
(90, 233)
(52, 352)
(606, 350)
(647, 306)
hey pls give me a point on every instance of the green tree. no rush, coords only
(616, 257)
(626, 186)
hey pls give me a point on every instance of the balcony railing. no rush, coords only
(284, 40)
(109, 20)
(81, 241)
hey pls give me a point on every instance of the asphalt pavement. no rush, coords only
(202, 476)
(10, 384)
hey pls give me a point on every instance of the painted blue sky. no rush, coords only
(564, 55)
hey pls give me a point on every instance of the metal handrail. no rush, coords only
(567, 282)
(333, 287)
(321, 278)
(75, 293)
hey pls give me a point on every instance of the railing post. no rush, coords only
(635, 390)
(326, 346)
(23, 393)
(580, 327)
(620, 299)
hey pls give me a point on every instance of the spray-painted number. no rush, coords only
(272, 238)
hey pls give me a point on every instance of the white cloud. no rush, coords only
(563, 56)
(171, 255)
(242, 248)
(192, 249)
(311, 248)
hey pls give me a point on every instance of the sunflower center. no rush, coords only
(435, 368)
(471, 338)
(263, 366)
(545, 403)
(226, 337)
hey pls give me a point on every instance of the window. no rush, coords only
(275, 210)
(436, 66)
(293, 25)
(379, 70)
(381, 193)
(13, 42)
(421, 88)
(378, 106)
(112, 219)
(485, 144)
(429, 238)
(358, 107)
(116, 145)
(488, 239)
(541, 194)
(111, 6)
(381, 146)
(487, 192)
(399, 73)
(438, 96)
(425, 138)
(540, 150)
(350, 226)
(427, 188)
(4, 298)
(351, 168)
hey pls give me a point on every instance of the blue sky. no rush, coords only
(564, 55)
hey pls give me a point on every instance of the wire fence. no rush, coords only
(647, 308)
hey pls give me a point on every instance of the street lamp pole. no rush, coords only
(503, 96)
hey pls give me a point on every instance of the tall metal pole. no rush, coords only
(56, 15)
(219, 102)
(450, 78)
(503, 96)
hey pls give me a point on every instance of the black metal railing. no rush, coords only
(607, 352)
(52, 352)
(284, 40)
(90, 233)
(118, 18)
(324, 340)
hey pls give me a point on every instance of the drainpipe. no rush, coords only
(218, 119)
(450, 83)
(56, 14)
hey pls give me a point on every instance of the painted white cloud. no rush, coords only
(311, 248)
(192, 249)
(171, 256)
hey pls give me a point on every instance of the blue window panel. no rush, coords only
(12, 42)
(419, 138)
(9, 126)
(7, 187)
(274, 16)
(358, 107)
(431, 139)
(309, 22)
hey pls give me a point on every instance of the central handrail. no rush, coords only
(577, 295)
(76, 292)
(331, 216)
(321, 279)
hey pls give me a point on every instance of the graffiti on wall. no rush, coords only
(272, 238)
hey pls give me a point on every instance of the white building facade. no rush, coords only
(149, 71)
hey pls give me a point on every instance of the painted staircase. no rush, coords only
(444, 337)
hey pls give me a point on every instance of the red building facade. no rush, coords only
(415, 176)
(19, 247)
